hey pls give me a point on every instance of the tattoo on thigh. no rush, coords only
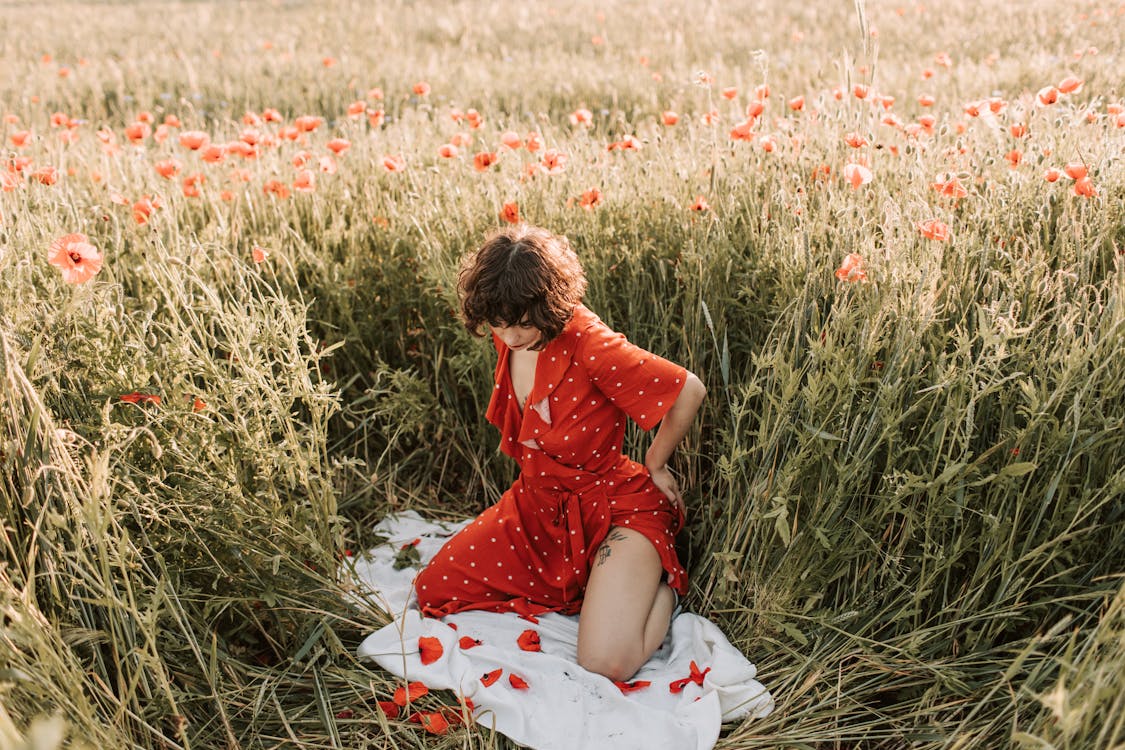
(605, 550)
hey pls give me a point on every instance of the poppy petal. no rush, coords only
(410, 692)
(632, 687)
(529, 640)
(517, 682)
(429, 649)
(488, 678)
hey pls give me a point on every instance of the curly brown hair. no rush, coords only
(521, 272)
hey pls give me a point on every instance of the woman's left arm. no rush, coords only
(672, 429)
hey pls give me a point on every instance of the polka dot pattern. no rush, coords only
(574, 485)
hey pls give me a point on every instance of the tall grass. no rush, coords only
(905, 493)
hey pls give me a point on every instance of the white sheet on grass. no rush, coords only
(565, 706)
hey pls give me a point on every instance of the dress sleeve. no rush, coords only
(638, 382)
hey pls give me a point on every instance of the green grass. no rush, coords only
(905, 494)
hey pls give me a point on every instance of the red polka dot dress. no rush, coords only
(531, 552)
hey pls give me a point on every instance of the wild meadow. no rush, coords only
(889, 236)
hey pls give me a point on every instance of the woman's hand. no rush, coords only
(666, 482)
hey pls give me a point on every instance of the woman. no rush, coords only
(583, 528)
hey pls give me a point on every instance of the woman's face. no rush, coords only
(517, 336)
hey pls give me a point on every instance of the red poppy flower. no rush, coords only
(529, 640)
(926, 100)
(554, 161)
(447, 151)
(307, 123)
(276, 187)
(466, 642)
(857, 175)
(700, 204)
(45, 175)
(797, 103)
(488, 678)
(143, 208)
(357, 108)
(729, 93)
(410, 692)
(214, 153)
(305, 182)
(168, 168)
(510, 212)
(242, 148)
(934, 229)
(949, 185)
(591, 198)
(78, 260)
(421, 88)
(581, 117)
(861, 91)
(1052, 174)
(483, 160)
(668, 117)
(1047, 96)
(517, 682)
(429, 649)
(394, 163)
(138, 131)
(755, 108)
(511, 139)
(190, 185)
(855, 140)
(533, 142)
(338, 145)
(141, 398)
(851, 269)
(743, 131)
(1084, 187)
(1014, 157)
(677, 686)
(1075, 170)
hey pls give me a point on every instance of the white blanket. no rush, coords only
(563, 706)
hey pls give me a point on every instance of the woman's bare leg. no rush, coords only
(627, 608)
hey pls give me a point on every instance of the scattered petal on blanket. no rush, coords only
(565, 706)
(429, 649)
(529, 641)
(629, 687)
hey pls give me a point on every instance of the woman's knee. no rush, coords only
(611, 663)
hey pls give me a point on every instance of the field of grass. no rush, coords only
(902, 278)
